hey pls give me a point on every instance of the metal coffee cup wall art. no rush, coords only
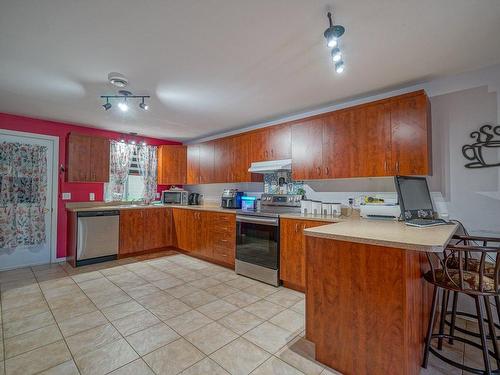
(485, 151)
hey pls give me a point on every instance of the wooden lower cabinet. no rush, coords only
(145, 229)
(292, 251)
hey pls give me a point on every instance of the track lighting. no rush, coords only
(123, 106)
(107, 105)
(332, 36)
(124, 96)
(144, 105)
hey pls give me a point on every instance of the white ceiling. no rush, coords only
(216, 65)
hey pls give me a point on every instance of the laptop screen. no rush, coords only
(414, 197)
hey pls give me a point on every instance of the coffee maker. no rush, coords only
(231, 198)
(194, 199)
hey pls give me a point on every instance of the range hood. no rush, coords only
(271, 166)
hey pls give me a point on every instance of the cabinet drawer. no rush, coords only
(224, 254)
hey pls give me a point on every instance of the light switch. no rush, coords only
(66, 196)
(92, 196)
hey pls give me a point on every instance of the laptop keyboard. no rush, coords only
(425, 222)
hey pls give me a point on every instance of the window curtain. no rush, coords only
(148, 168)
(23, 195)
(119, 164)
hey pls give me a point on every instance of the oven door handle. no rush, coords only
(257, 220)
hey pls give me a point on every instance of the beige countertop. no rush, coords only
(102, 206)
(386, 233)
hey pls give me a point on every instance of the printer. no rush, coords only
(387, 211)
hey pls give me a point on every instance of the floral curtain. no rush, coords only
(148, 167)
(23, 195)
(120, 159)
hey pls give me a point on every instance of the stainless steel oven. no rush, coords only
(257, 247)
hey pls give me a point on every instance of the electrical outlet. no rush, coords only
(66, 196)
(92, 196)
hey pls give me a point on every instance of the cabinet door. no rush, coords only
(280, 142)
(307, 145)
(223, 157)
(78, 158)
(259, 148)
(222, 237)
(292, 251)
(155, 228)
(206, 163)
(131, 231)
(172, 165)
(183, 228)
(242, 160)
(193, 165)
(99, 156)
(340, 152)
(411, 140)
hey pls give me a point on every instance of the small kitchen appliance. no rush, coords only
(194, 199)
(248, 203)
(231, 198)
(305, 206)
(174, 196)
(380, 211)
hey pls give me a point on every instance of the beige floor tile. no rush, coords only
(153, 274)
(142, 290)
(17, 303)
(152, 338)
(31, 340)
(198, 299)
(225, 276)
(170, 309)
(14, 275)
(27, 324)
(205, 367)
(96, 285)
(19, 289)
(275, 366)
(106, 358)
(109, 299)
(121, 310)
(211, 337)
(2, 368)
(168, 283)
(38, 360)
(93, 338)
(240, 357)
(269, 337)
(25, 311)
(264, 309)
(240, 321)
(205, 283)
(47, 286)
(241, 299)
(54, 293)
(138, 367)
(154, 299)
(67, 300)
(73, 310)
(300, 354)
(217, 309)
(66, 368)
(188, 322)
(173, 358)
(135, 322)
(284, 298)
(86, 276)
(221, 290)
(333, 372)
(113, 270)
(300, 307)
(289, 320)
(182, 290)
(261, 290)
(82, 323)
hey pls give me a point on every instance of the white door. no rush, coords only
(40, 253)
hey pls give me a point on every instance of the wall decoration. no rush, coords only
(485, 151)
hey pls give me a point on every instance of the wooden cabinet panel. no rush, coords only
(223, 158)
(131, 231)
(99, 159)
(272, 143)
(241, 160)
(183, 228)
(339, 146)
(259, 150)
(157, 228)
(206, 162)
(222, 237)
(193, 165)
(78, 158)
(307, 145)
(172, 164)
(292, 251)
(411, 135)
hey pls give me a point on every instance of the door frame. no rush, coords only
(55, 185)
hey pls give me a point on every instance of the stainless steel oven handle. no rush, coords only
(257, 220)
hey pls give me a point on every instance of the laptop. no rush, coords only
(415, 202)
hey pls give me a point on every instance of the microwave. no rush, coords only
(174, 197)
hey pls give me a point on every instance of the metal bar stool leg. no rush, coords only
(430, 326)
(453, 316)
(497, 303)
(484, 343)
(444, 307)
(491, 325)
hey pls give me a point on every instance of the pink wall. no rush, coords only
(79, 191)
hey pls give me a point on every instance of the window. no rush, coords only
(134, 186)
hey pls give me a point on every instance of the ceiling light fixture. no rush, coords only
(332, 36)
(125, 96)
(117, 79)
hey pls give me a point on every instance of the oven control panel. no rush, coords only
(287, 200)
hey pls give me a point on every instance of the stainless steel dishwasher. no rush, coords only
(97, 236)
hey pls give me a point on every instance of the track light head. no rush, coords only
(108, 105)
(143, 105)
(123, 106)
(333, 33)
(339, 67)
(336, 54)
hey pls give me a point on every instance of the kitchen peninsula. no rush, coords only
(367, 305)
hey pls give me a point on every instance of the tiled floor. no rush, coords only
(154, 315)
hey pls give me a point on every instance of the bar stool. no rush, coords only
(453, 271)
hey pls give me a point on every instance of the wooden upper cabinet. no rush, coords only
(241, 160)
(206, 162)
(223, 158)
(411, 134)
(271, 143)
(339, 151)
(87, 158)
(172, 164)
(193, 164)
(307, 148)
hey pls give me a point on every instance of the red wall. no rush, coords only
(79, 191)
